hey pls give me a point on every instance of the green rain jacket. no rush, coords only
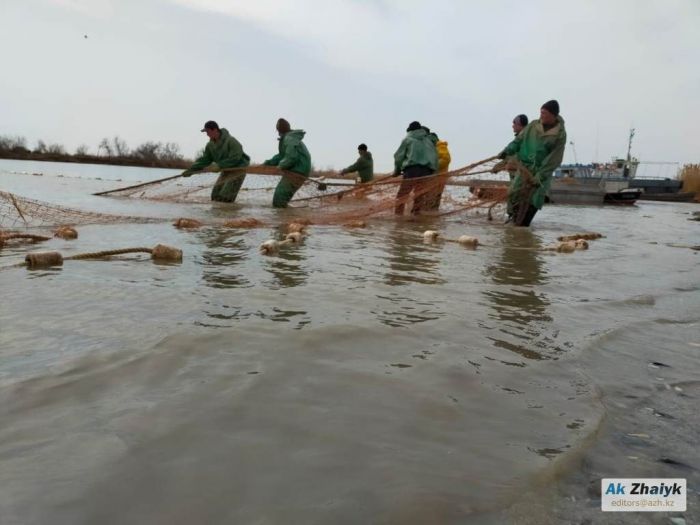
(416, 149)
(293, 155)
(227, 152)
(541, 152)
(364, 166)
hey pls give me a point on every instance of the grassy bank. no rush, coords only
(98, 159)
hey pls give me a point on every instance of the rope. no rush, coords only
(108, 253)
(35, 238)
(391, 179)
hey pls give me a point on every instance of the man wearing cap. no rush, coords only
(292, 156)
(226, 152)
(364, 165)
(415, 158)
(539, 150)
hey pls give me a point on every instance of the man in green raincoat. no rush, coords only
(226, 152)
(292, 156)
(364, 165)
(539, 150)
(415, 158)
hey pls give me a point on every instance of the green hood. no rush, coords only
(417, 149)
(292, 154)
(541, 151)
(226, 152)
(364, 166)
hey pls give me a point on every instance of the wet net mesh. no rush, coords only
(324, 200)
(20, 212)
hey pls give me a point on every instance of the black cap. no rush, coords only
(522, 119)
(552, 106)
(413, 126)
(210, 124)
(362, 146)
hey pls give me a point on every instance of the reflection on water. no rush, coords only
(410, 260)
(222, 255)
(519, 308)
(288, 266)
(444, 357)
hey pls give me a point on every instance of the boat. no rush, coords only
(595, 184)
(662, 189)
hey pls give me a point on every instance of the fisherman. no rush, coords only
(519, 124)
(224, 150)
(364, 165)
(292, 156)
(443, 166)
(416, 158)
(538, 150)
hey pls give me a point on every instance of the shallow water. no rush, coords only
(361, 377)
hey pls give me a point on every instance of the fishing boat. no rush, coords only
(596, 183)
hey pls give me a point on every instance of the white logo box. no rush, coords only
(643, 494)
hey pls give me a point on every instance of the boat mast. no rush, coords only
(626, 171)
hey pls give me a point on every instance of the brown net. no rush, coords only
(322, 200)
(331, 201)
(21, 212)
(258, 186)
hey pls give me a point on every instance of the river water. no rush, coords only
(361, 377)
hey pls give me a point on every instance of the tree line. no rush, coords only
(109, 151)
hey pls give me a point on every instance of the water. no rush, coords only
(362, 377)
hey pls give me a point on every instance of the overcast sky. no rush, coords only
(351, 71)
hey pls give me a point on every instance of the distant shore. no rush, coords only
(97, 159)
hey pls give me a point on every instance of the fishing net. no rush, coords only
(258, 186)
(319, 200)
(21, 212)
(330, 200)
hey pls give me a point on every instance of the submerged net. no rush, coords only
(21, 212)
(330, 200)
(323, 201)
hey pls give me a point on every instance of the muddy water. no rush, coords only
(362, 377)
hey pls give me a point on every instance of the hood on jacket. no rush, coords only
(296, 135)
(417, 134)
(224, 135)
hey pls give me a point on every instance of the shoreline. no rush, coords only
(95, 159)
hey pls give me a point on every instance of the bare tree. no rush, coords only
(55, 149)
(149, 151)
(120, 147)
(40, 147)
(81, 150)
(15, 144)
(171, 151)
(105, 147)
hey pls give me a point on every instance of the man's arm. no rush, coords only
(512, 148)
(290, 157)
(353, 167)
(200, 163)
(399, 156)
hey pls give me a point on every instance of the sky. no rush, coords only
(352, 71)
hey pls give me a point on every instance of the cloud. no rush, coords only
(92, 8)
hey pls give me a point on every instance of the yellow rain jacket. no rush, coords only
(444, 157)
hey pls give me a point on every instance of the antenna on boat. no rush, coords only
(574, 147)
(597, 140)
(626, 171)
(629, 144)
